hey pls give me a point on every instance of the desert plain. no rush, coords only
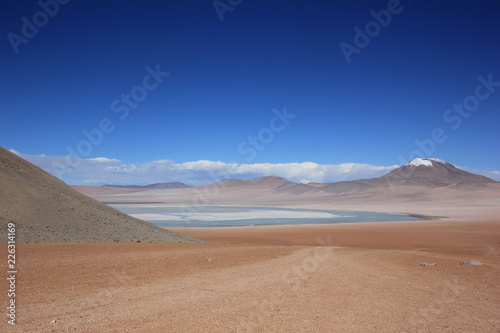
(337, 277)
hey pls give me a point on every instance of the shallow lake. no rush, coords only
(220, 216)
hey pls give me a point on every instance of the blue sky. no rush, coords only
(268, 87)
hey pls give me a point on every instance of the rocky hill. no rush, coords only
(47, 210)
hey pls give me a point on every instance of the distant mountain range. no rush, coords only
(268, 181)
(404, 189)
(155, 185)
(426, 172)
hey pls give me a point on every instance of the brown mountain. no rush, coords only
(432, 172)
(269, 181)
(155, 185)
(46, 210)
(427, 172)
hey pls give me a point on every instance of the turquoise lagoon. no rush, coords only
(224, 216)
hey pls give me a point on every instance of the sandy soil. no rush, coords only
(374, 283)
(381, 235)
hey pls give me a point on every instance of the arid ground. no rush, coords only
(360, 277)
(271, 286)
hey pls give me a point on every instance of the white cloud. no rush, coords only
(104, 170)
(102, 160)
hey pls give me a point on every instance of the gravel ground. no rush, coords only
(251, 288)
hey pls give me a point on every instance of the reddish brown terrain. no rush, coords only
(256, 288)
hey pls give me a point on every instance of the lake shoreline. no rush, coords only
(233, 216)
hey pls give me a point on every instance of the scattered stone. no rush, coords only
(426, 264)
(53, 321)
(213, 259)
(471, 262)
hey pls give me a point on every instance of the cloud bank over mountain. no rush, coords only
(102, 170)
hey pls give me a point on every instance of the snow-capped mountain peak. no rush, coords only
(424, 161)
(437, 160)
